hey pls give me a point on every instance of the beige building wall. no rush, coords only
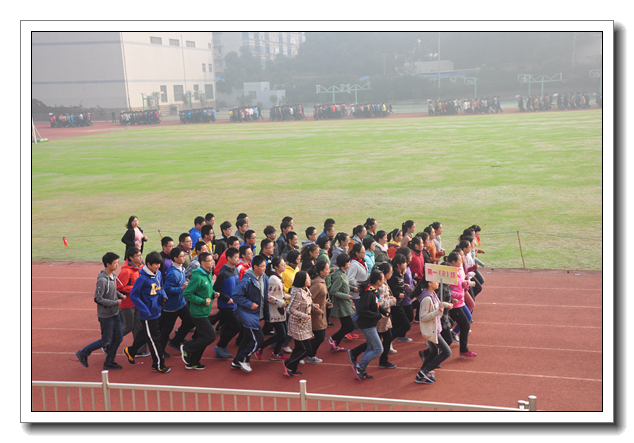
(120, 69)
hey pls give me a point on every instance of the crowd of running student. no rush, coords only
(370, 279)
(70, 120)
(131, 118)
(245, 114)
(572, 100)
(486, 105)
(357, 110)
(287, 112)
(199, 115)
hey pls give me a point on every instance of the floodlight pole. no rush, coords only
(143, 100)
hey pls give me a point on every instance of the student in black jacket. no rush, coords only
(369, 313)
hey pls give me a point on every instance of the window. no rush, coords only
(209, 92)
(174, 42)
(163, 94)
(210, 67)
(204, 66)
(156, 40)
(245, 35)
(190, 44)
(178, 93)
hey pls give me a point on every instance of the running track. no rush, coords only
(531, 339)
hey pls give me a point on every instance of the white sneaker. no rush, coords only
(314, 360)
(302, 361)
(246, 367)
(392, 350)
(287, 350)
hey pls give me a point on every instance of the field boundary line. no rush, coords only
(548, 306)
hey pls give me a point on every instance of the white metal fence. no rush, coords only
(176, 398)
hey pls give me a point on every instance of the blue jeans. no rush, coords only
(111, 336)
(374, 346)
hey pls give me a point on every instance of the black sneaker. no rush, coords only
(112, 365)
(421, 354)
(82, 358)
(353, 359)
(297, 373)
(198, 367)
(166, 355)
(235, 366)
(358, 372)
(387, 365)
(126, 351)
(172, 345)
(163, 370)
(422, 380)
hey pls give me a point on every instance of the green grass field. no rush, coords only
(539, 174)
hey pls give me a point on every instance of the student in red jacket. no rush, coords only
(130, 321)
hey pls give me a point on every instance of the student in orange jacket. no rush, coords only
(130, 321)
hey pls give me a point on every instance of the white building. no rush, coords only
(123, 69)
(264, 45)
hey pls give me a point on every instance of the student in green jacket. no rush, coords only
(200, 295)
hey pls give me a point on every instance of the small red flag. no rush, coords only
(65, 242)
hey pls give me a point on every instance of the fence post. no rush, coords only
(302, 394)
(520, 403)
(532, 402)
(106, 390)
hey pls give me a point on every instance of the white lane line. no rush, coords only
(546, 306)
(535, 348)
(64, 292)
(74, 278)
(540, 326)
(532, 288)
(63, 309)
(414, 370)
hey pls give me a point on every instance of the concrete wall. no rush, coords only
(69, 68)
(112, 69)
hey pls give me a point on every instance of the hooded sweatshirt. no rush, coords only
(148, 294)
(125, 281)
(106, 295)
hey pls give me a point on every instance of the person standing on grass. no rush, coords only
(130, 321)
(108, 300)
(133, 237)
(369, 311)
(299, 322)
(226, 281)
(148, 295)
(200, 295)
(175, 306)
(251, 296)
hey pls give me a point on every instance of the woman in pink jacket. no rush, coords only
(457, 296)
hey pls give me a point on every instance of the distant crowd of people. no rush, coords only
(245, 114)
(287, 112)
(572, 100)
(486, 105)
(370, 110)
(201, 115)
(70, 120)
(131, 118)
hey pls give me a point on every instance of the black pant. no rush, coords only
(438, 353)
(230, 326)
(252, 340)
(167, 322)
(347, 326)
(415, 309)
(205, 335)
(460, 317)
(277, 338)
(400, 323)
(387, 338)
(316, 341)
(302, 349)
(150, 334)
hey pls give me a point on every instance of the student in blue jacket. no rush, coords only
(147, 295)
(175, 305)
(251, 296)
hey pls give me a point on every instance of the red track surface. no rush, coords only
(530, 340)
